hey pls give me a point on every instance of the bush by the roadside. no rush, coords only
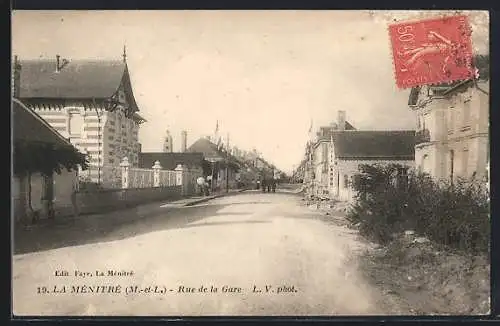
(390, 199)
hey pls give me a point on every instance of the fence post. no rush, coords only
(180, 178)
(125, 172)
(156, 174)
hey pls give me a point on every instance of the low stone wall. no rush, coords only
(100, 201)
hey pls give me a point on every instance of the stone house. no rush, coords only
(453, 126)
(219, 161)
(337, 160)
(89, 102)
(335, 156)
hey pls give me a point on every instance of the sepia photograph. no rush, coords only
(250, 163)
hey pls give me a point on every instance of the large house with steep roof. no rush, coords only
(89, 102)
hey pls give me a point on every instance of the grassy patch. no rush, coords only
(428, 278)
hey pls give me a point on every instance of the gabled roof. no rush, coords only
(209, 149)
(169, 161)
(30, 127)
(396, 145)
(212, 154)
(78, 79)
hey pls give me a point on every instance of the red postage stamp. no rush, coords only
(431, 51)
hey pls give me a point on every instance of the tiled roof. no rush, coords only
(208, 149)
(368, 144)
(211, 153)
(349, 126)
(169, 161)
(413, 98)
(30, 127)
(78, 79)
(375, 144)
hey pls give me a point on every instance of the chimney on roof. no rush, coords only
(341, 120)
(16, 77)
(183, 141)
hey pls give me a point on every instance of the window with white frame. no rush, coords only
(427, 123)
(75, 123)
(451, 119)
(424, 166)
(466, 113)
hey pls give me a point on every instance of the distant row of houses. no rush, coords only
(89, 107)
(450, 141)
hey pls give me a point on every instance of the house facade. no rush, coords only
(224, 166)
(453, 127)
(89, 102)
(335, 156)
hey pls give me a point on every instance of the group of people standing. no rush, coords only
(267, 185)
(204, 185)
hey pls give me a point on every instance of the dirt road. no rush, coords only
(249, 254)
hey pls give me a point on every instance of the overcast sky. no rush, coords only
(263, 74)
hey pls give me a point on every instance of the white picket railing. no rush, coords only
(141, 178)
(125, 176)
(167, 178)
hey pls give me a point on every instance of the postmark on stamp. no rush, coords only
(431, 51)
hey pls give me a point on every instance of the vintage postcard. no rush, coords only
(250, 163)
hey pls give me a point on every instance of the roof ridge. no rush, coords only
(77, 79)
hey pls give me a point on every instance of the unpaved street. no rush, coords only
(239, 243)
